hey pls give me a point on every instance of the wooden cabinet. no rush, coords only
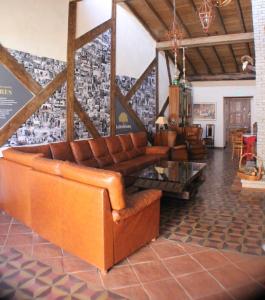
(180, 106)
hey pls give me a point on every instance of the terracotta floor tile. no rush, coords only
(4, 218)
(235, 256)
(4, 229)
(2, 239)
(189, 248)
(151, 271)
(19, 229)
(119, 277)
(56, 263)
(143, 255)
(19, 239)
(39, 240)
(132, 293)
(219, 296)
(255, 267)
(168, 249)
(210, 259)
(92, 278)
(167, 289)
(74, 264)
(249, 291)
(46, 251)
(26, 249)
(182, 265)
(200, 285)
(230, 276)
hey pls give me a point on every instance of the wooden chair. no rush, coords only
(237, 144)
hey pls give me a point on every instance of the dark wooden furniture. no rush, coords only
(175, 179)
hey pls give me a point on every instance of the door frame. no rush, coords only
(225, 109)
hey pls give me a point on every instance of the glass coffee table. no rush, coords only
(175, 179)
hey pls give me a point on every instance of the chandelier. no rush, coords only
(176, 36)
(207, 13)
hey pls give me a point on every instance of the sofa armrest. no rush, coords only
(157, 150)
(136, 203)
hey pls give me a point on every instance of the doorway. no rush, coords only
(237, 114)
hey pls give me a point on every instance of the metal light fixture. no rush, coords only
(206, 15)
(176, 36)
(219, 3)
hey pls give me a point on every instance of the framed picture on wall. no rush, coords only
(204, 111)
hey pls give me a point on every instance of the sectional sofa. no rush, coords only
(73, 194)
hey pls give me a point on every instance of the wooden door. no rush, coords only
(237, 114)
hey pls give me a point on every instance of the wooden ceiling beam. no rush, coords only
(228, 76)
(207, 41)
(181, 22)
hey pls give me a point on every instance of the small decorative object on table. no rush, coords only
(252, 169)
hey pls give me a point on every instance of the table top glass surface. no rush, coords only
(172, 171)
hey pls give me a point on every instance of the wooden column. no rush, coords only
(71, 71)
(174, 104)
(157, 83)
(113, 72)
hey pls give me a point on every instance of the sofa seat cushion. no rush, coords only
(83, 154)
(101, 152)
(44, 149)
(115, 148)
(62, 151)
(125, 167)
(127, 146)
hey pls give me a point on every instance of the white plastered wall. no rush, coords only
(214, 92)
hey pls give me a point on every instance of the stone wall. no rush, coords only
(258, 10)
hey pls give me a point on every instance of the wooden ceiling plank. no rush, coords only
(181, 22)
(141, 20)
(151, 7)
(221, 22)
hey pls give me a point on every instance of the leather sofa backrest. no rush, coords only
(127, 146)
(20, 157)
(49, 166)
(83, 154)
(44, 149)
(111, 181)
(139, 140)
(115, 149)
(101, 152)
(62, 151)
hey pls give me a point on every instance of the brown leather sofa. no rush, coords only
(63, 193)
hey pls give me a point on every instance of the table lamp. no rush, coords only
(162, 122)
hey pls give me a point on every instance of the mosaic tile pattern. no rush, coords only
(25, 278)
(222, 215)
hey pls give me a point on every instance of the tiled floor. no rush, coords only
(221, 215)
(164, 269)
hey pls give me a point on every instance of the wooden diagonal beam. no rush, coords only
(92, 34)
(85, 119)
(140, 80)
(168, 69)
(71, 71)
(129, 109)
(29, 109)
(19, 71)
(164, 107)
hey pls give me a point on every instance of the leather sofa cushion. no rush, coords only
(62, 151)
(139, 140)
(50, 166)
(44, 149)
(101, 152)
(111, 181)
(23, 158)
(127, 146)
(115, 149)
(83, 154)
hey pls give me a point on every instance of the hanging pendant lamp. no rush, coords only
(219, 3)
(206, 15)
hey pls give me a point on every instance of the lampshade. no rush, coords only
(161, 121)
